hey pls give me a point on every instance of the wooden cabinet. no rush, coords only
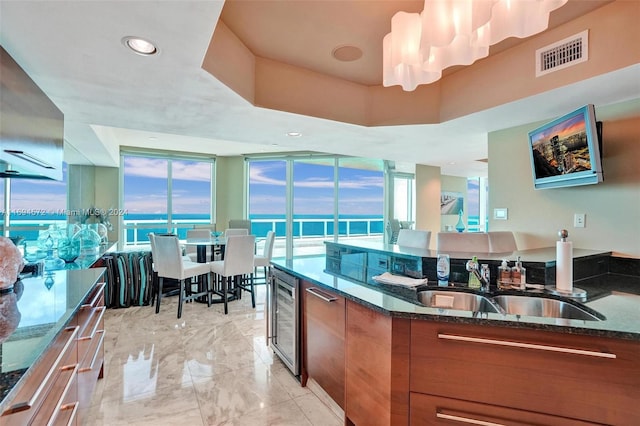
(323, 323)
(427, 410)
(583, 378)
(50, 385)
(90, 319)
(377, 367)
(58, 387)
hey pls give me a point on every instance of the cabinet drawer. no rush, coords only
(64, 391)
(324, 322)
(67, 415)
(91, 325)
(429, 410)
(62, 352)
(89, 373)
(583, 377)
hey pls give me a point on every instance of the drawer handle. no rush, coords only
(96, 316)
(526, 345)
(74, 412)
(321, 295)
(96, 297)
(466, 420)
(95, 354)
(25, 405)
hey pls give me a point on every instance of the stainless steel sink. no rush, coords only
(537, 306)
(457, 300)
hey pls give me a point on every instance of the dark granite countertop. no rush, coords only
(31, 317)
(617, 297)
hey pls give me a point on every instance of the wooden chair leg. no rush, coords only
(160, 282)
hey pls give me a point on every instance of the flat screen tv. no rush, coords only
(567, 151)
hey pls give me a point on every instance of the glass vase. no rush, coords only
(88, 240)
(460, 224)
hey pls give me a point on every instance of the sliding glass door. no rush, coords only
(309, 200)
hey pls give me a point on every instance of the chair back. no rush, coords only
(152, 242)
(168, 256)
(198, 233)
(502, 242)
(268, 245)
(472, 242)
(240, 223)
(238, 255)
(235, 231)
(414, 238)
(393, 227)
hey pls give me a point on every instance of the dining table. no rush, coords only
(202, 244)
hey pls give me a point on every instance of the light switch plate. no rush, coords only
(579, 220)
(500, 214)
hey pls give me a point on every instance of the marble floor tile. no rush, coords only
(206, 368)
(316, 412)
(286, 413)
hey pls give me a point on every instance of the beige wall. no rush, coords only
(535, 216)
(91, 186)
(230, 190)
(428, 200)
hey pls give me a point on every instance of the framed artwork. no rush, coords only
(451, 202)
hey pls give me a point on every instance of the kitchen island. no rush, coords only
(405, 363)
(51, 346)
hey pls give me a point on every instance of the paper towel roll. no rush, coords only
(564, 266)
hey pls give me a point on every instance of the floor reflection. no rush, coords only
(206, 368)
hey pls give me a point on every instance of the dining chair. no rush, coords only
(237, 264)
(240, 223)
(264, 260)
(190, 250)
(170, 264)
(414, 238)
(235, 231)
(393, 227)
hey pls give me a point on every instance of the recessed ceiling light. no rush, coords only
(140, 45)
(294, 134)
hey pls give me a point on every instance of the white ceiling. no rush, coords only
(112, 97)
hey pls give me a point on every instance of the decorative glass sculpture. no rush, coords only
(460, 224)
(68, 249)
(88, 240)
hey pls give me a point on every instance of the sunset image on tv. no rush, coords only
(561, 149)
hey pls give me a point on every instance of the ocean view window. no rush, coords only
(163, 195)
(477, 199)
(33, 205)
(318, 199)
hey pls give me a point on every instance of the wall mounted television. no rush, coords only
(567, 151)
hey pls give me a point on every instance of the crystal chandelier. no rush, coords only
(455, 32)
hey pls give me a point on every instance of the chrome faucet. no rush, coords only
(483, 278)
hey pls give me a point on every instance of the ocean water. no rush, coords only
(303, 225)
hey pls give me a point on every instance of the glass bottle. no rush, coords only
(473, 268)
(460, 224)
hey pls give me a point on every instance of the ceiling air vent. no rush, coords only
(565, 53)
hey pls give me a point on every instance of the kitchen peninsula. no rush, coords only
(51, 358)
(395, 361)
